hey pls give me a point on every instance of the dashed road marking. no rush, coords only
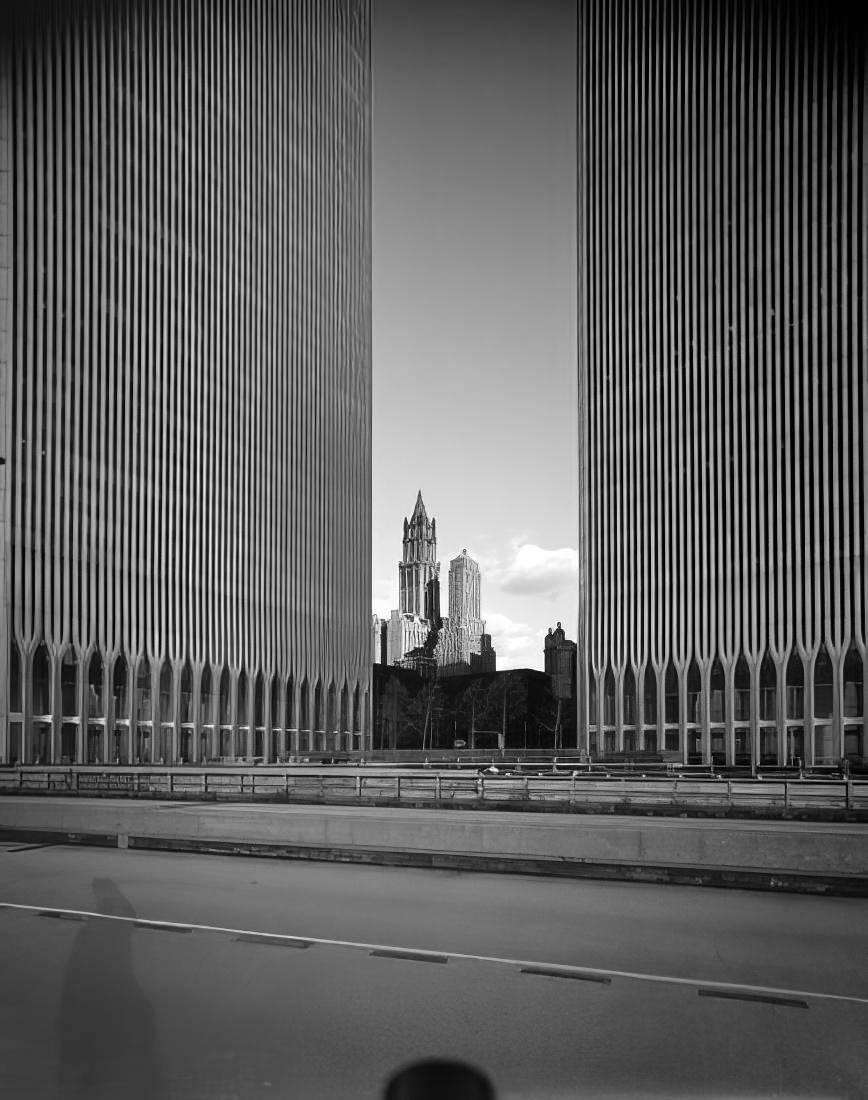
(414, 956)
(713, 988)
(274, 941)
(762, 998)
(558, 972)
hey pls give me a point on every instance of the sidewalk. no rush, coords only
(782, 855)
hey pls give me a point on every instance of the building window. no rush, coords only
(242, 699)
(694, 693)
(824, 744)
(717, 686)
(768, 746)
(15, 704)
(795, 687)
(303, 708)
(629, 697)
(14, 742)
(671, 693)
(741, 697)
(853, 686)
(609, 699)
(185, 699)
(225, 703)
(95, 707)
(93, 750)
(120, 689)
(166, 680)
(41, 682)
(768, 690)
(823, 698)
(143, 692)
(795, 744)
(795, 702)
(69, 686)
(650, 685)
(206, 698)
(276, 717)
(853, 742)
(258, 703)
(673, 741)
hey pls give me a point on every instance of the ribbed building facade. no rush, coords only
(185, 377)
(723, 398)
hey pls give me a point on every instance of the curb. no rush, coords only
(732, 878)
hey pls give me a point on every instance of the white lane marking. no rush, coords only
(565, 968)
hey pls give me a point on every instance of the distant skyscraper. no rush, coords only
(559, 655)
(465, 588)
(463, 645)
(379, 640)
(419, 572)
(723, 381)
(185, 377)
(416, 631)
(418, 613)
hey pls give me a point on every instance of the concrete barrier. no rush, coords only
(818, 853)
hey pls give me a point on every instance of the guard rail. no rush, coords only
(440, 787)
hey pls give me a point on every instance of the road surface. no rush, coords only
(233, 977)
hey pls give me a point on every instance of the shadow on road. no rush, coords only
(107, 1026)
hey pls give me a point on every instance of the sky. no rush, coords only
(474, 303)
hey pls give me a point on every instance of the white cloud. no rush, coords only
(534, 571)
(518, 645)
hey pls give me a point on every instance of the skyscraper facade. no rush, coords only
(723, 380)
(465, 587)
(463, 644)
(185, 375)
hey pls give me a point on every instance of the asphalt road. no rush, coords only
(662, 991)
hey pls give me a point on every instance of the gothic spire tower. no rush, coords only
(419, 572)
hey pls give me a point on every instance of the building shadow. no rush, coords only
(107, 1024)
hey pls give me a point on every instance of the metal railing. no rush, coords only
(432, 786)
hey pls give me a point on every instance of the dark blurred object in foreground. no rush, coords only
(439, 1080)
